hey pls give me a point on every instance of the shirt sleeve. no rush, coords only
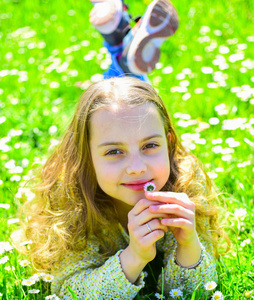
(90, 277)
(176, 277)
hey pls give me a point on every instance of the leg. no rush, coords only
(111, 19)
(141, 46)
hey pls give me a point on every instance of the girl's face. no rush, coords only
(129, 148)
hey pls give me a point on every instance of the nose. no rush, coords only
(136, 165)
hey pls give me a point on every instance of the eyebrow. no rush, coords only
(119, 143)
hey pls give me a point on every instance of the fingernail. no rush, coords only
(153, 207)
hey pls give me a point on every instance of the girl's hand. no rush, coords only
(142, 241)
(180, 214)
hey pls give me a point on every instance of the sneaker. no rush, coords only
(111, 19)
(114, 69)
(141, 46)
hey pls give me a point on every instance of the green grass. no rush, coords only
(43, 45)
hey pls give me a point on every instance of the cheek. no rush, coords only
(106, 173)
(162, 167)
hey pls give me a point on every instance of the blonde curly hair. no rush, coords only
(69, 206)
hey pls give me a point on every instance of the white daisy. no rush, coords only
(159, 296)
(217, 296)
(52, 297)
(8, 268)
(149, 186)
(210, 285)
(3, 260)
(24, 263)
(48, 277)
(248, 294)
(145, 273)
(33, 291)
(28, 282)
(174, 293)
(35, 277)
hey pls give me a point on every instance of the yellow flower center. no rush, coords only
(216, 297)
(175, 293)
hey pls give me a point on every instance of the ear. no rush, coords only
(169, 137)
(169, 140)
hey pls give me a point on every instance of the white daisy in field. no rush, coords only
(24, 263)
(28, 282)
(33, 291)
(245, 242)
(240, 212)
(248, 294)
(210, 285)
(8, 268)
(52, 297)
(159, 296)
(217, 296)
(35, 277)
(3, 260)
(145, 273)
(5, 246)
(175, 293)
(149, 186)
(48, 278)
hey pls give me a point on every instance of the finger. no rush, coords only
(136, 222)
(174, 209)
(141, 205)
(152, 237)
(178, 222)
(146, 216)
(170, 197)
(153, 225)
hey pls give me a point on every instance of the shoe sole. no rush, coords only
(158, 23)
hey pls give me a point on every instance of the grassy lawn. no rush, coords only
(49, 54)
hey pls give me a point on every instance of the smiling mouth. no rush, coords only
(136, 186)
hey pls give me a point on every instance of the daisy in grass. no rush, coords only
(248, 294)
(33, 291)
(24, 263)
(4, 260)
(35, 277)
(5, 246)
(145, 273)
(210, 285)
(175, 293)
(52, 297)
(48, 278)
(149, 186)
(8, 268)
(159, 296)
(217, 296)
(28, 282)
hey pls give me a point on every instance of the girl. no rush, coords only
(92, 224)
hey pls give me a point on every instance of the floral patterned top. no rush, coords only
(90, 276)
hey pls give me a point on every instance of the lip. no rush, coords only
(137, 185)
